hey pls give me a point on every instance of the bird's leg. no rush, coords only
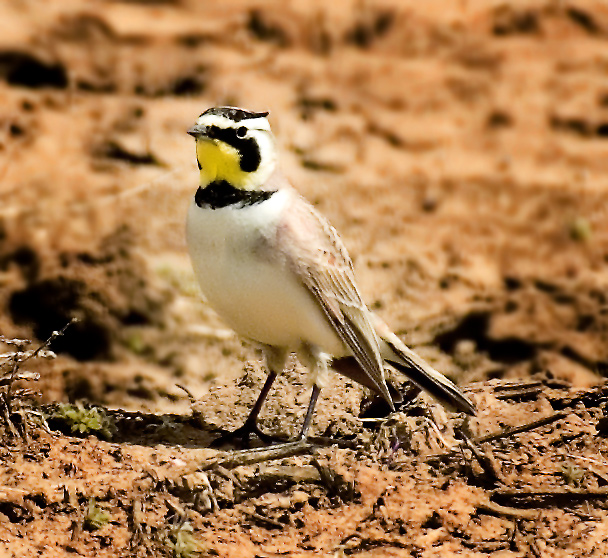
(251, 423)
(316, 390)
(250, 426)
(318, 364)
(275, 360)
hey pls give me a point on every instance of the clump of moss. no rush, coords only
(182, 543)
(95, 517)
(82, 420)
(572, 473)
(580, 229)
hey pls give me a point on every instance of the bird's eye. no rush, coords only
(241, 132)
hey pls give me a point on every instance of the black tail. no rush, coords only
(428, 379)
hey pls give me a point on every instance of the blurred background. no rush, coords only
(460, 148)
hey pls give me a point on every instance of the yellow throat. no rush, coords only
(220, 161)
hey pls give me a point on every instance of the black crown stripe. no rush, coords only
(234, 114)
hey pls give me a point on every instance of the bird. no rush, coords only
(279, 275)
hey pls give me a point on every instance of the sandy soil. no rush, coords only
(461, 149)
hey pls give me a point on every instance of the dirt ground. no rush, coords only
(461, 149)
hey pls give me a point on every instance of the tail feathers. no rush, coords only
(349, 367)
(421, 373)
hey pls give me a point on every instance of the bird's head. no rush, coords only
(234, 145)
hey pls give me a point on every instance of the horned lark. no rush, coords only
(277, 272)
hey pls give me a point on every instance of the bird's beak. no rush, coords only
(198, 131)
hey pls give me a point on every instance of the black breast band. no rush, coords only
(222, 194)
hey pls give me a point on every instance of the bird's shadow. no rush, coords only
(135, 428)
(150, 429)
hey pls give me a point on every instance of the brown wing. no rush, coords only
(314, 251)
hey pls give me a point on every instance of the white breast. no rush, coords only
(260, 298)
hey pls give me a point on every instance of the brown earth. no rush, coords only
(461, 149)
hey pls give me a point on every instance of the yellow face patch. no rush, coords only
(220, 161)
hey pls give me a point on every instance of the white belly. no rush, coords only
(260, 299)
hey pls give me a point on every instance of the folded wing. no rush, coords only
(317, 256)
